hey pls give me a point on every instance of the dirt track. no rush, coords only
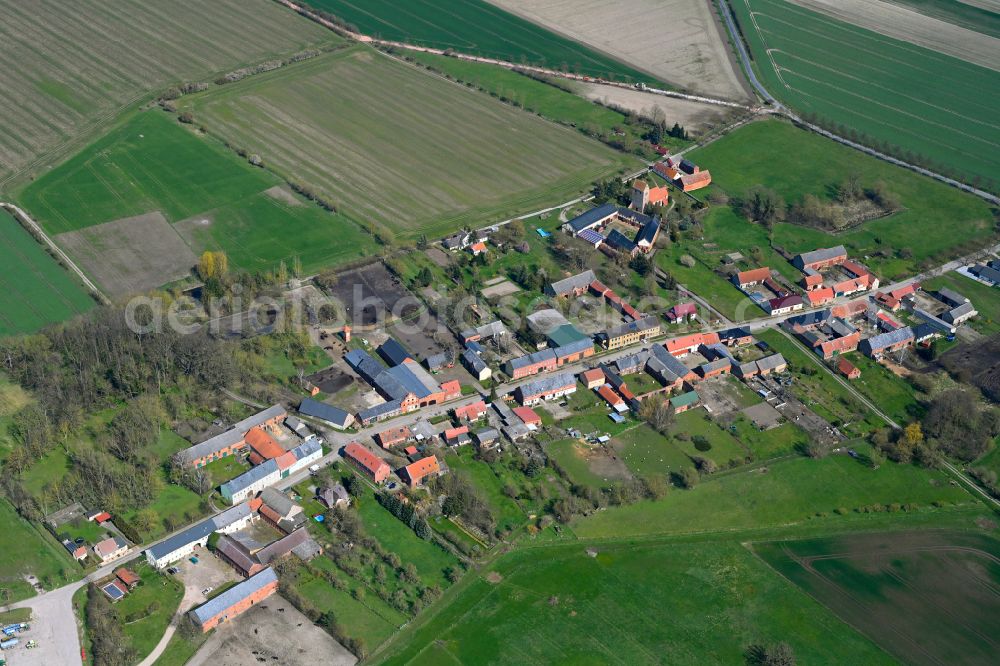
(678, 41)
(909, 26)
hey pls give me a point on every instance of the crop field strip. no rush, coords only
(478, 28)
(930, 104)
(37, 290)
(67, 68)
(448, 157)
(213, 200)
(928, 598)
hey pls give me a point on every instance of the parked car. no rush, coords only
(208, 590)
(172, 570)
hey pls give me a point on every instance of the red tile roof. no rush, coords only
(263, 444)
(364, 457)
(286, 460)
(416, 471)
(610, 396)
(394, 436)
(593, 375)
(452, 433)
(527, 414)
(127, 577)
(754, 275)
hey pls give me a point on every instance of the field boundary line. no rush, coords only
(506, 64)
(21, 216)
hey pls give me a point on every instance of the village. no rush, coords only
(581, 365)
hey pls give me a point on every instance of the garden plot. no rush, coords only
(372, 295)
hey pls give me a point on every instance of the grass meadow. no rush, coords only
(37, 290)
(213, 199)
(926, 597)
(478, 28)
(639, 603)
(68, 69)
(793, 490)
(921, 101)
(27, 550)
(447, 157)
(795, 162)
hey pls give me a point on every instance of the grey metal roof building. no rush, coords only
(959, 314)
(772, 362)
(529, 360)
(951, 297)
(230, 437)
(249, 477)
(877, 343)
(546, 385)
(363, 363)
(389, 408)
(572, 283)
(824, 254)
(393, 352)
(199, 531)
(320, 410)
(591, 218)
(233, 596)
(619, 241)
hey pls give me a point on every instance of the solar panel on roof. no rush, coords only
(113, 591)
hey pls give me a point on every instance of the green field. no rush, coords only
(448, 157)
(926, 597)
(963, 14)
(788, 491)
(507, 513)
(27, 551)
(795, 162)
(542, 98)
(68, 70)
(38, 290)
(154, 602)
(370, 619)
(429, 558)
(153, 163)
(892, 394)
(478, 28)
(674, 602)
(926, 103)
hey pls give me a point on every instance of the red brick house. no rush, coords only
(393, 437)
(236, 600)
(416, 472)
(367, 462)
(470, 412)
(848, 369)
